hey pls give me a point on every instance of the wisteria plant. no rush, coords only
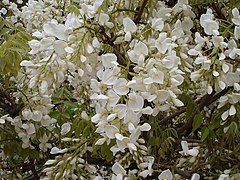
(119, 89)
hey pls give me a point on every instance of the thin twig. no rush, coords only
(185, 174)
(139, 14)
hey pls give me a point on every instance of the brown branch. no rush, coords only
(220, 15)
(181, 111)
(116, 48)
(206, 101)
(170, 117)
(236, 60)
(185, 174)
(137, 17)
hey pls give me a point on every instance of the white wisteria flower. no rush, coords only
(186, 151)
(165, 175)
(210, 26)
(135, 102)
(65, 128)
(129, 28)
(236, 17)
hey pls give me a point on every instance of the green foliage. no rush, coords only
(197, 121)
(14, 46)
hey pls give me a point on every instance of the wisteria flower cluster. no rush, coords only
(122, 90)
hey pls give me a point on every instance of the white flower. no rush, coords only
(57, 30)
(237, 32)
(113, 98)
(166, 175)
(162, 42)
(27, 114)
(162, 95)
(157, 24)
(3, 11)
(103, 19)
(50, 162)
(145, 127)
(2, 121)
(43, 143)
(118, 169)
(141, 49)
(177, 102)
(72, 21)
(232, 111)
(186, 151)
(195, 176)
(109, 60)
(31, 129)
(43, 87)
(26, 63)
(59, 47)
(37, 115)
(65, 128)
(56, 150)
(210, 26)
(120, 86)
(129, 25)
(236, 16)
(135, 102)
(111, 131)
(120, 110)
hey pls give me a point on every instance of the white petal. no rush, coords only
(129, 25)
(162, 95)
(49, 162)
(69, 50)
(225, 68)
(65, 128)
(37, 115)
(132, 146)
(232, 110)
(119, 136)
(109, 60)
(111, 117)
(120, 86)
(26, 63)
(59, 46)
(184, 145)
(135, 102)
(54, 150)
(141, 48)
(166, 175)
(144, 173)
(120, 110)
(193, 152)
(224, 116)
(2, 121)
(195, 176)
(148, 110)
(31, 129)
(111, 131)
(100, 141)
(235, 12)
(177, 102)
(118, 169)
(145, 127)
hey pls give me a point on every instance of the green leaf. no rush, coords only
(106, 152)
(86, 131)
(205, 133)
(197, 121)
(34, 154)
